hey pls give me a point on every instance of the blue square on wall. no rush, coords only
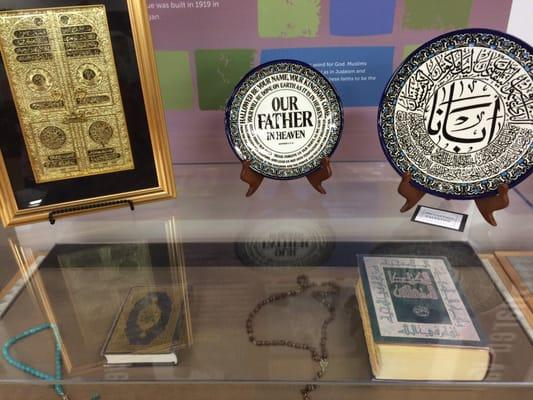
(361, 17)
(358, 73)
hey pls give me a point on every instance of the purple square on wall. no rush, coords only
(361, 17)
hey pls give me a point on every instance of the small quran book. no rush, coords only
(150, 327)
(417, 323)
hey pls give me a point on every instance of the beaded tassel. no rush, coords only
(58, 375)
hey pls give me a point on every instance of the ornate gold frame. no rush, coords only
(11, 215)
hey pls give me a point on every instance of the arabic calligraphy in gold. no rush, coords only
(64, 82)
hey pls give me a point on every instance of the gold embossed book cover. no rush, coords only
(150, 327)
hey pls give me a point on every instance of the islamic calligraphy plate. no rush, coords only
(284, 117)
(458, 114)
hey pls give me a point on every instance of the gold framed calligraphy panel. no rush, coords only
(81, 108)
(62, 73)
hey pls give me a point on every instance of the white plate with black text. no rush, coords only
(284, 117)
(458, 114)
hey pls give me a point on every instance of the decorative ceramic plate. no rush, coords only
(284, 117)
(458, 114)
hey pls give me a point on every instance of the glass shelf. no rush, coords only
(233, 253)
(362, 204)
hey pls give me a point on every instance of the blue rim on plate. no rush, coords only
(316, 163)
(516, 172)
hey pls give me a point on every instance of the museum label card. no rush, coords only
(440, 218)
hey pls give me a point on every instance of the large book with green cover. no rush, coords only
(416, 320)
(150, 327)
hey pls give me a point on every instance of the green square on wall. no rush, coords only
(218, 72)
(175, 79)
(283, 18)
(408, 49)
(436, 14)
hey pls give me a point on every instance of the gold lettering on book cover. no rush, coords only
(61, 70)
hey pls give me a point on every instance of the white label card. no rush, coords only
(441, 218)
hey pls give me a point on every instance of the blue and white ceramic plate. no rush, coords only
(284, 117)
(458, 114)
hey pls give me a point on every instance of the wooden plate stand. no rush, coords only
(486, 206)
(254, 180)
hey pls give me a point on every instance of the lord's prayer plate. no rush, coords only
(284, 117)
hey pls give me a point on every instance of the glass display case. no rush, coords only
(232, 253)
(266, 284)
